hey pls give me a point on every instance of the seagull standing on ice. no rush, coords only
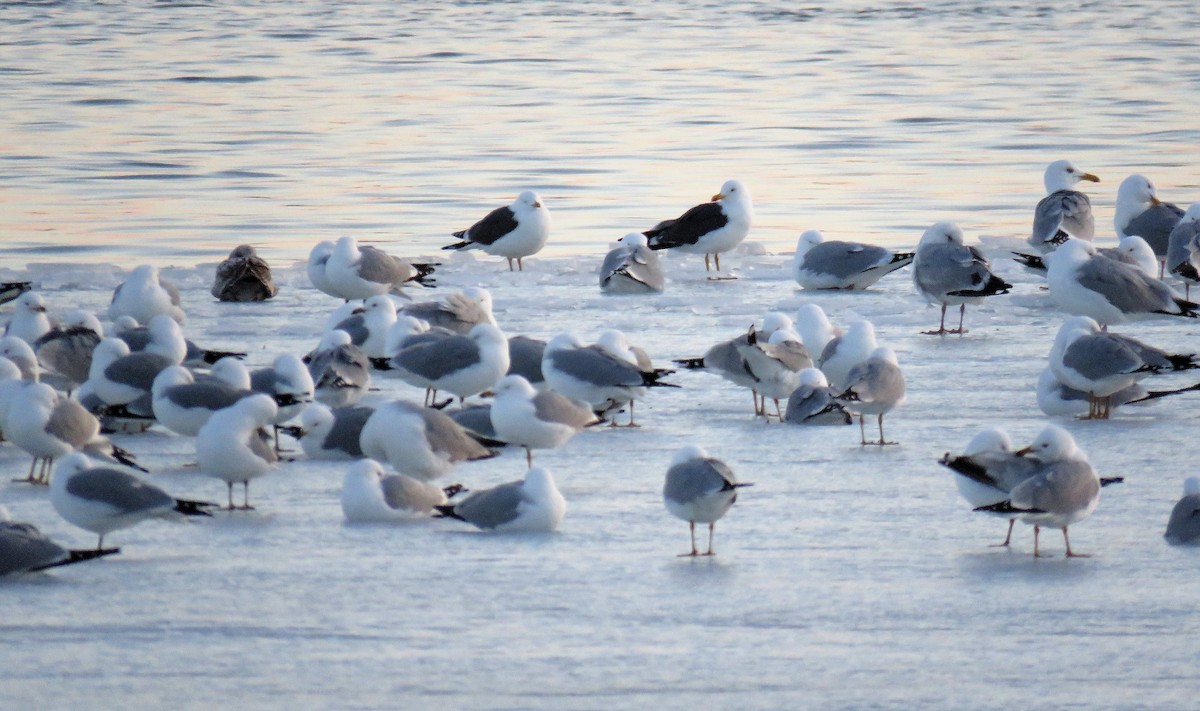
(874, 387)
(948, 272)
(708, 228)
(418, 441)
(533, 420)
(48, 426)
(234, 447)
(988, 470)
(514, 232)
(699, 489)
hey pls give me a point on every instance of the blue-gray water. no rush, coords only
(170, 132)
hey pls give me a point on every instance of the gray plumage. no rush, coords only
(340, 370)
(815, 405)
(402, 492)
(437, 358)
(1127, 289)
(122, 491)
(244, 276)
(491, 507)
(477, 419)
(595, 366)
(525, 358)
(689, 481)
(343, 435)
(1183, 247)
(1155, 225)
(631, 268)
(70, 422)
(68, 351)
(24, 548)
(1184, 524)
(1062, 213)
(138, 337)
(137, 370)
(458, 312)
(550, 406)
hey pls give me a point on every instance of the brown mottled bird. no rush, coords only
(244, 276)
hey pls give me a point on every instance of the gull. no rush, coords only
(631, 267)
(874, 387)
(699, 489)
(815, 328)
(842, 353)
(1140, 212)
(318, 258)
(594, 375)
(1102, 363)
(775, 365)
(340, 371)
(25, 549)
(21, 354)
(1064, 212)
(819, 264)
(29, 321)
(533, 420)
(371, 496)
(477, 419)
(182, 404)
(813, 402)
(47, 426)
(1183, 248)
(1184, 524)
(289, 384)
(101, 499)
(461, 365)
(360, 272)
(725, 360)
(514, 232)
(615, 343)
(1063, 491)
(947, 272)
(119, 377)
(988, 470)
(244, 276)
(1106, 290)
(166, 340)
(67, 349)
(143, 295)
(10, 290)
(533, 504)
(368, 326)
(418, 441)
(708, 228)
(332, 434)
(1059, 400)
(234, 447)
(525, 359)
(1131, 250)
(458, 312)
(10, 384)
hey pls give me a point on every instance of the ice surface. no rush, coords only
(847, 577)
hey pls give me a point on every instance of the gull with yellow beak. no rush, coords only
(514, 232)
(1064, 212)
(709, 228)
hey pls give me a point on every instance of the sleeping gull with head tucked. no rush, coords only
(631, 267)
(813, 402)
(821, 264)
(354, 271)
(1184, 524)
(233, 446)
(418, 441)
(143, 295)
(874, 387)
(533, 504)
(369, 495)
(244, 276)
(25, 549)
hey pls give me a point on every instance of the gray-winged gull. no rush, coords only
(699, 489)
(533, 420)
(25, 549)
(48, 426)
(631, 267)
(947, 272)
(369, 495)
(874, 387)
(1064, 212)
(1184, 524)
(834, 264)
(340, 370)
(462, 365)
(533, 504)
(1140, 212)
(29, 321)
(813, 402)
(1183, 248)
(233, 446)
(332, 433)
(143, 295)
(988, 470)
(354, 271)
(418, 441)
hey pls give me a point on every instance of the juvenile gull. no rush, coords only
(874, 387)
(143, 295)
(699, 489)
(631, 267)
(233, 446)
(988, 470)
(47, 426)
(1064, 212)
(101, 499)
(1183, 250)
(25, 549)
(67, 350)
(819, 264)
(947, 272)
(813, 402)
(332, 434)
(418, 441)
(458, 312)
(724, 359)
(244, 276)
(708, 228)
(1106, 290)
(533, 420)
(1063, 491)
(29, 321)
(360, 272)
(371, 496)
(514, 232)
(531, 505)
(775, 365)
(462, 365)
(1184, 524)
(1140, 212)
(340, 371)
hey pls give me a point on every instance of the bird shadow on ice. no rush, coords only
(998, 565)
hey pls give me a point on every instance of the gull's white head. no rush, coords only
(1191, 485)
(1062, 175)
(813, 378)
(1052, 444)
(989, 439)
(689, 453)
(808, 240)
(942, 233)
(527, 200)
